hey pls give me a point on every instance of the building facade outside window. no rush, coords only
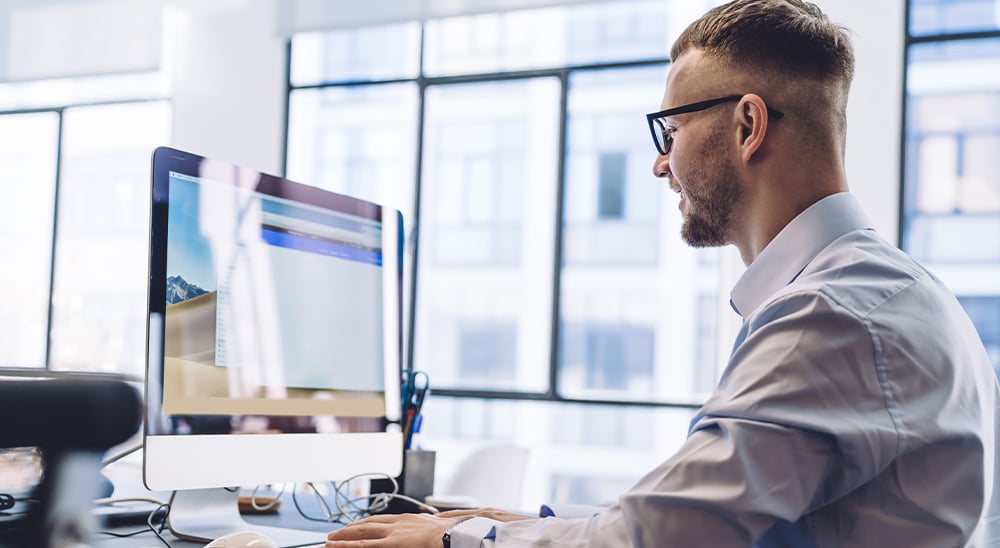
(74, 168)
(552, 301)
(951, 176)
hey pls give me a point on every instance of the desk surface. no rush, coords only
(287, 517)
(126, 475)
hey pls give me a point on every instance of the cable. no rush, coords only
(156, 531)
(274, 501)
(112, 500)
(350, 508)
(150, 526)
(122, 454)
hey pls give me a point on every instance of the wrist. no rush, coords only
(446, 537)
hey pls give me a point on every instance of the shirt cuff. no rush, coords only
(471, 532)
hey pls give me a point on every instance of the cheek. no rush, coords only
(677, 162)
(684, 166)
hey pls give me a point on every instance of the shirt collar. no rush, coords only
(795, 246)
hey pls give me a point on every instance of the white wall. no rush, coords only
(874, 113)
(227, 66)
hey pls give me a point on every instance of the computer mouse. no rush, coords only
(243, 539)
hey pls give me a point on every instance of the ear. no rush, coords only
(752, 119)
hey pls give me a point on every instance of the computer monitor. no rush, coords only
(274, 339)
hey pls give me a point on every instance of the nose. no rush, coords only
(661, 167)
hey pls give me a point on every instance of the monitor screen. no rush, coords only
(274, 330)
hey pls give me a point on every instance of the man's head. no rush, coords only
(784, 44)
(784, 71)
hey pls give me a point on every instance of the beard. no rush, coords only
(712, 199)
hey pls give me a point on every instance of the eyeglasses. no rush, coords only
(663, 137)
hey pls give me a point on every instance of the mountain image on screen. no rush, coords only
(178, 290)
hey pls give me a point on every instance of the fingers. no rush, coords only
(459, 513)
(363, 543)
(492, 513)
(359, 531)
(390, 531)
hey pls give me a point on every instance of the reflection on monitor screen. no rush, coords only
(274, 345)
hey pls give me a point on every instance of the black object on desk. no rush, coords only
(73, 422)
(416, 481)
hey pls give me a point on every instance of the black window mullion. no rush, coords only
(545, 397)
(554, 353)
(901, 201)
(946, 37)
(417, 184)
(552, 393)
(55, 233)
(288, 106)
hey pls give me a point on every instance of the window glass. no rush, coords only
(627, 329)
(486, 236)
(356, 140)
(571, 445)
(949, 16)
(951, 199)
(360, 141)
(371, 53)
(67, 91)
(28, 145)
(617, 31)
(547, 37)
(101, 257)
(985, 314)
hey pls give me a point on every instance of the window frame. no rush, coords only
(908, 188)
(45, 370)
(563, 73)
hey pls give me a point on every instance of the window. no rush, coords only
(28, 181)
(487, 352)
(615, 359)
(611, 196)
(939, 17)
(951, 177)
(581, 453)
(552, 301)
(983, 311)
(75, 167)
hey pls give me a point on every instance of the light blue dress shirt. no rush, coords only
(858, 409)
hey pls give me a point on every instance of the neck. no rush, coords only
(774, 202)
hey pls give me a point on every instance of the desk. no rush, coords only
(287, 517)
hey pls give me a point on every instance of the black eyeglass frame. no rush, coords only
(654, 119)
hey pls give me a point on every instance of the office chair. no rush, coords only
(493, 475)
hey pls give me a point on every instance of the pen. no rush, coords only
(414, 430)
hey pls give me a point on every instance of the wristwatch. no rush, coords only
(446, 537)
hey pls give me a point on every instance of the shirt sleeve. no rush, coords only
(797, 421)
(552, 529)
(472, 532)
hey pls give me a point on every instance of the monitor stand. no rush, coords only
(207, 514)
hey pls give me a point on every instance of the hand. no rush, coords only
(492, 513)
(391, 531)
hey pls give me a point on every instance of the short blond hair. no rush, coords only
(791, 38)
(798, 55)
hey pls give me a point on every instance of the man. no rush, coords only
(859, 407)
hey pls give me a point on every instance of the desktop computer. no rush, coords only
(274, 339)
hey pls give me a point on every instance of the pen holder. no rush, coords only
(418, 473)
(417, 481)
